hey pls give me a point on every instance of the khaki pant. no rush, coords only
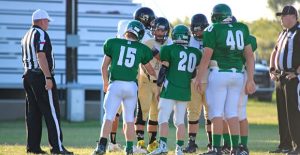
(147, 99)
(194, 107)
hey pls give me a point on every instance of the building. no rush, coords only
(97, 21)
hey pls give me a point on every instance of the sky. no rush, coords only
(245, 10)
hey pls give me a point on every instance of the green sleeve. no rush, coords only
(147, 55)
(253, 43)
(247, 35)
(200, 56)
(106, 48)
(209, 37)
(164, 54)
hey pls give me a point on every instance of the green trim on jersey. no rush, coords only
(125, 58)
(183, 60)
(228, 42)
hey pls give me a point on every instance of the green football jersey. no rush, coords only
(228, 42)
(182, 62)
(253, 45)
(125, 58)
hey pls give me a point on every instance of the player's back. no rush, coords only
(228, 42)
(125, 57)
(182, 62)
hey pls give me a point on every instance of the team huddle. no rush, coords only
(204, 65)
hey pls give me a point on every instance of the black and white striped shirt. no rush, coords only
(287, 56)
(36, 40)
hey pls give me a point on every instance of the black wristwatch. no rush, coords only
(49, 78)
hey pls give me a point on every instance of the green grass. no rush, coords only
(81, 137)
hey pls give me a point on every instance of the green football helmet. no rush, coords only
(181, 34)
(220, 13)
(137, 28)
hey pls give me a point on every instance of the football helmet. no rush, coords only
(181, 34)
(137, 28)
(160, 23)
(198, 23)
(144, 15)
(221, 13)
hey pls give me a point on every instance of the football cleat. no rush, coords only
(114, 147)
(151, 147)
(162, 149)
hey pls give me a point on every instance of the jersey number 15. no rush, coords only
(130, 56)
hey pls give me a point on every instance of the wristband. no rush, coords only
(49, 78)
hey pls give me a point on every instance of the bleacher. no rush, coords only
(97, 21)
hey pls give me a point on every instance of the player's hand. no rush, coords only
(198, 85)
(49, 84)
(250, 87)
(105, 87)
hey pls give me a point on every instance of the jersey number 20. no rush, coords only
(130, 56)
(187, 62)
(239, 40)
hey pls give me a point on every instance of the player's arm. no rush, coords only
(150, 69)
(104, 69)
(202, 67)
(155, 53)
(250, 84)
(162, 73)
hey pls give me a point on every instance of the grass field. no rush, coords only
(81, 137)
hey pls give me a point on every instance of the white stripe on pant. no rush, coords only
(55, 119)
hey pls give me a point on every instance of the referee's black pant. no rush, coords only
(287, 94)
(41, 103)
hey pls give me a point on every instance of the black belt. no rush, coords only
(38, 71)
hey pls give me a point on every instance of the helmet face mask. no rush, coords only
(144, 15)
(198, 24)
(181, 35)
(221, 13)
(160, 29)
(137, 28)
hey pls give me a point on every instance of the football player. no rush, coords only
(160, 28)
(123, 56)
(225, 45)
(178, 64)
(194, 107)
(145, 15)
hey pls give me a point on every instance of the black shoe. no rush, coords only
(40, 151)
(225, 149)
(281, 150)
(190, 148)
(295, 152)
(214, 151)
(100, 150)
(64, 151)
(209, 147)
(243, 150)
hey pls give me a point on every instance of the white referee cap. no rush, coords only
(40, 14)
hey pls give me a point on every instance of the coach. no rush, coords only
(40, 87)
(285, 69)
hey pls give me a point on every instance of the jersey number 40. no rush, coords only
(238, 42)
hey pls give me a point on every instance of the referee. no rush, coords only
(285, 69)
(40, 87)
